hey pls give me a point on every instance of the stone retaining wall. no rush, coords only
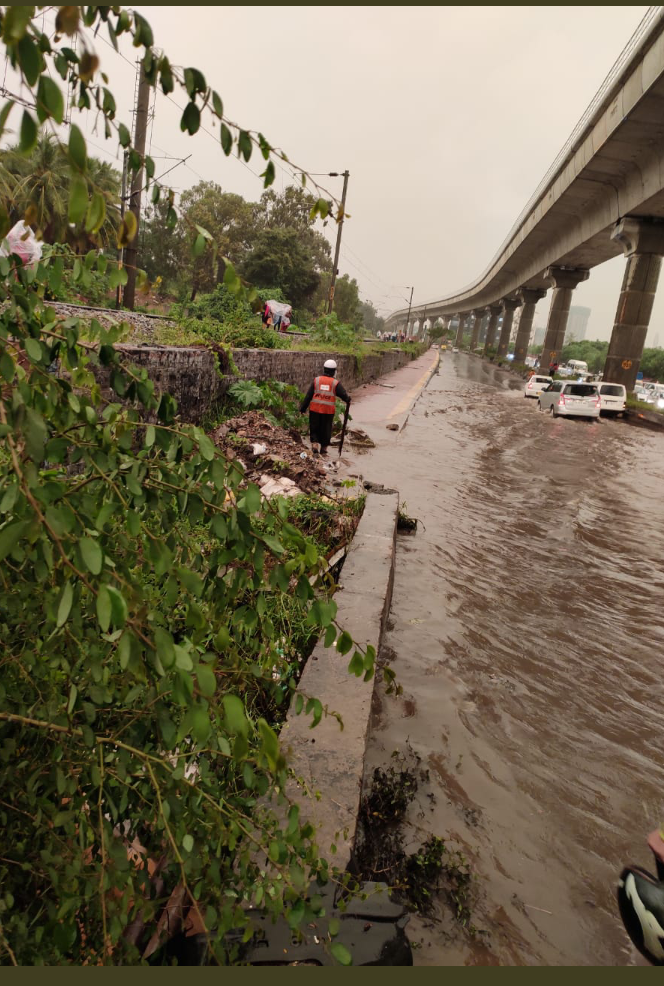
(197, 377)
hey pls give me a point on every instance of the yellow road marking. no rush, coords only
(405, 403)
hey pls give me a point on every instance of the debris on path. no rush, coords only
(275, 458)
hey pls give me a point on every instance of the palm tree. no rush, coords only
(42, 181)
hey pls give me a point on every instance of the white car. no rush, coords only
(455, 349)
(613, 397)
(536, 384)
(573, 400)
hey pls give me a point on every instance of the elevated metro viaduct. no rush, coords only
(603, 195)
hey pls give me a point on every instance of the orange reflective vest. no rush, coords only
(324, 399)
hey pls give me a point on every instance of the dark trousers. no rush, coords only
(320, 428)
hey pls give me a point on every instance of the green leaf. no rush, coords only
(150, 435)
(341, 953)
(33, 349)
(188, 842)
(11, 535)
(217, 104)
(104, 608)
(78, 199)
(235, 715)
(244, 145)
(200, 726)
(123, 135)
(333, 927)
(344, 643)
(226, 140)
(164, 646)
(77, 149)
(207, 682)
(29, 59)
(9, 498)
(191, 118)
(117, 277)
(92, 555)
(356, 664)
(252, 498)
(4, 113)
(330, 635)
(142, 33)
(28, 134)
(64, 606)
(118, 607)
(270, 743)
(96, 213)
(36, 434)
(50, 102)
(15, 23)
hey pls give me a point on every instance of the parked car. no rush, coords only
(612, 397)
(571, 399)
(536, 384)
(455, 349)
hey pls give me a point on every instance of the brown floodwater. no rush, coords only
(527, 631)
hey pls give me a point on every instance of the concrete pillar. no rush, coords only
(459, 335)
(479, 315)
(563, 281)
(529, 298)
(494, 315)
(509, 306)
(643, 245)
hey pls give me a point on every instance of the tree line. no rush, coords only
(273, 243)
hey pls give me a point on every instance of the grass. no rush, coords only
(635, 405)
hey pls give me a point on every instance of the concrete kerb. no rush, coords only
(331, 760)
(402, 419)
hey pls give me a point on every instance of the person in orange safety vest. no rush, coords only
(321, 399)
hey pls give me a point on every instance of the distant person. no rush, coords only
(321, 400)
(267, 317)
(553, 368)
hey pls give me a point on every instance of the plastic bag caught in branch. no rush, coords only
(20, 240)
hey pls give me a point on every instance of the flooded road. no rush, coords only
(527, 630)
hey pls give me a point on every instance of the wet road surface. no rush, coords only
(527, 630)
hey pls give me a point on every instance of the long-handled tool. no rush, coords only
(343, 430)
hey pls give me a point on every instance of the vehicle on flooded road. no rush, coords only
(571, 400)
(536, 384)
(613, 397)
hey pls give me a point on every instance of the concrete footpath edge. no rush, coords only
(328, 759)
(403, 411)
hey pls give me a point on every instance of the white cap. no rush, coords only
(329, 364)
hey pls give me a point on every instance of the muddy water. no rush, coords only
(527, 630)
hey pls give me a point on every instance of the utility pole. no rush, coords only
(346, 175)
(140, 133)
(123, 199)
(410, 303)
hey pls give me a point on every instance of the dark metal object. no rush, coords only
(343, 430)
(373, 931)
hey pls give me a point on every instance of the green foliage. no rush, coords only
(138, 693)
(39, 186)
(592, 352)
(281, 256)
(333, 334)
(652, 363)
(92, 284)
(221, 305)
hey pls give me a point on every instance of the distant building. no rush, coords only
(538, 338)
(577, 323)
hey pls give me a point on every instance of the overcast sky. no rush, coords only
(446, 117)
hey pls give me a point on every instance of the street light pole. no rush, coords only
(410, 303)
(346, 175)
